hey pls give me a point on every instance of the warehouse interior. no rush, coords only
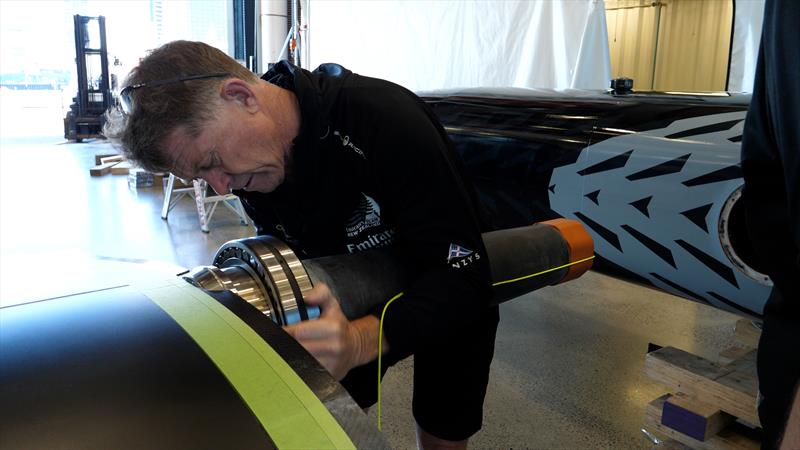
(573, 363)
(568, 368)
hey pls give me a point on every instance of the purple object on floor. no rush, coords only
(684, 421)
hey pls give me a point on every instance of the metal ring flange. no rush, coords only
(239, 253)
(279, 270)
(299, 280)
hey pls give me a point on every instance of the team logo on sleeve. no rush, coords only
(459, 256)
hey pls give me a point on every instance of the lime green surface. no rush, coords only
(288, 410)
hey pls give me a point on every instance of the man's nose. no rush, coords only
(219, 181)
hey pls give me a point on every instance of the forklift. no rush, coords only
(86, 118)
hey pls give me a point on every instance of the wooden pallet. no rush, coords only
(732, 388)
(725, 439)
(708, 397)
(672, 444)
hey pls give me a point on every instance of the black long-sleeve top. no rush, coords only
(771, 169)
(372, 167)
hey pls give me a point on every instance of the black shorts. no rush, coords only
(778, 366)
(450, 379)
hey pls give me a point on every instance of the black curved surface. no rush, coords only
(512, 139)
(336, 399)
(110, 369)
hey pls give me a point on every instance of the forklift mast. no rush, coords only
(86, 116)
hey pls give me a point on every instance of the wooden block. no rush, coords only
(102, 169)
(728, 438)
(697, 377)
(98, 157)
(746, 363)
(121, 168)
(694, 418)
(743, 377)
(672, 444)
(115, 158)
(747, 333)
(733, 353)
(158, 178)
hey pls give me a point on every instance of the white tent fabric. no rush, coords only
(426, 45)
(744, 49)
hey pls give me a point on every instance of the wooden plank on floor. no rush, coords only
(709, 382)
(672, 444)
(743, 377)
(735, 352)
(728, 438)
(98, 157)
(122, 168)
(113, 158)
(102, 169)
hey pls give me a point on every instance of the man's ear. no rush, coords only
(241, 92)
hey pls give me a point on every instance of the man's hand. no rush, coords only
(337, 343)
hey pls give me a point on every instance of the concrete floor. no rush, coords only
(567, 372)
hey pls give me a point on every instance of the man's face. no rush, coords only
(235, 150)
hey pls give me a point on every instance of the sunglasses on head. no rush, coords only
(125, 95)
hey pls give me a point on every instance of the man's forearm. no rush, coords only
(791, 436)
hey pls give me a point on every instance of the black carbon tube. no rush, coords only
(521, 260)
(364, 280)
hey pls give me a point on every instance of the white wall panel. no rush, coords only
(746, 38)
(443, 44)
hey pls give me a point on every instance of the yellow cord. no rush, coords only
(543, 272)
(380, 351)
(383, 314)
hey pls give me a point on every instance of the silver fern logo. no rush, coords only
(366, 215)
